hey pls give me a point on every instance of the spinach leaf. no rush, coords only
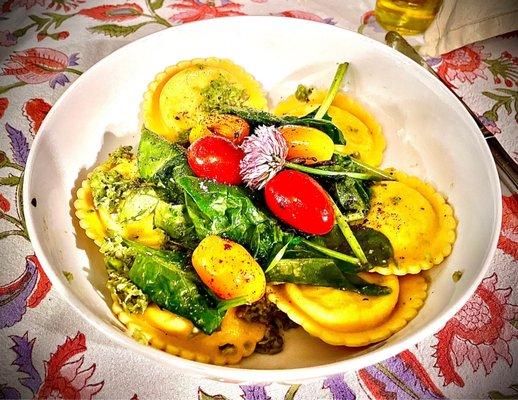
(257, 117)
(321, 272)
(376, 245)
(228, 211)
(161, 162)
(164, 277)
(175, 221)
(351, 195)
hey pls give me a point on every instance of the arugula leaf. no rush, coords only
(164, 277)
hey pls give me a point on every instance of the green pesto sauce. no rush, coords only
(222, 93)
(302, 93)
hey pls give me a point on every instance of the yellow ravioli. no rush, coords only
(173, 101)
(166, 331)
(89, 218)
(342, 310)
(416, 219)
(363, 135)
(99, 223)
(412, 292)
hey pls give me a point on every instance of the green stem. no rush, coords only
(333, 90)
(373, 170)
(157, 17)
(10, 164)
(74, 71)
(348, 234)
(4, 89)
(332, 253)
(224, 305)
(323, 172)
(278, 256)
(5, 234)
(12, 220)
(353, 216)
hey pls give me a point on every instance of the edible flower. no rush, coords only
(265, 156)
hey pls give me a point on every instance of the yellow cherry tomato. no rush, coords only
(229, 126)
(307, 143)
(228, 269)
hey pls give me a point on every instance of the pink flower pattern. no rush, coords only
(40, 64)
(464, 64)
(195, 10)
(479, 333)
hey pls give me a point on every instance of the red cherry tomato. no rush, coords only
(214, 157)
(298, 200)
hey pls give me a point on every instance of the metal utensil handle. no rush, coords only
(506, 166)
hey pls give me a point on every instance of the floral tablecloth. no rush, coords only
(47, 350)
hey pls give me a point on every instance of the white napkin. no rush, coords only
(461, 22)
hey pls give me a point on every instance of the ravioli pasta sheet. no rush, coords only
(166, 331)
(97, 222)
(299, 304)
(416, 219)
(173, 102)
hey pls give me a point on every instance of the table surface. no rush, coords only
(47, 350)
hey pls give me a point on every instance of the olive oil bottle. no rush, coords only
(407, 17)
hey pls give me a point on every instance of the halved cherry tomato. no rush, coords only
(307, 143)
(299, 201)
(214, 157)
(228, 269)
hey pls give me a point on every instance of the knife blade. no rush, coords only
(506, 166)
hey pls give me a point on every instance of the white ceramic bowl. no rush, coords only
(429, 134)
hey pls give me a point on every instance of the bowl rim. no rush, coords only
(232, 373)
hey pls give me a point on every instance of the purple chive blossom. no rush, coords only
(265, 155)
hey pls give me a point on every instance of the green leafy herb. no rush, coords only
(321, 272)
(161, 162)
(376, 246)
(139, 203)
(175, 221)
(165, 278)
(227, 211)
